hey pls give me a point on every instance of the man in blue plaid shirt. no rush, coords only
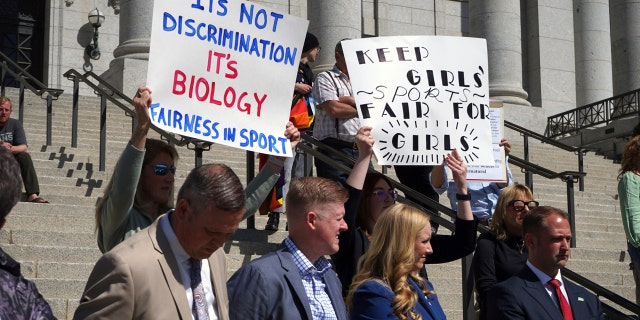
(296, 281)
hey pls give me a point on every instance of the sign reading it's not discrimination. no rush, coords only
(424, 96)
(224, 71)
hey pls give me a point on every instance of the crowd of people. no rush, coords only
(352, 251)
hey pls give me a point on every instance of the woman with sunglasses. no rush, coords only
(371, 193)
(501, 253)
(141, 187)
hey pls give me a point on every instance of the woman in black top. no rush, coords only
(501, 253)
(370, 193)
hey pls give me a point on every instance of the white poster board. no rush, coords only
(497, 172)
(224, 72)
(424, 96)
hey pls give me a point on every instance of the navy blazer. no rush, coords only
(524, 297)
(270, 287)
(372, 300)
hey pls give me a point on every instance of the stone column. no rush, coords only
(331, 21)
(499, 22)
(625, 34)
(128, 69)
(594, 80)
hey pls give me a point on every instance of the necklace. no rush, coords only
(520, 245)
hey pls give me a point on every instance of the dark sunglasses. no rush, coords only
(518, 205)
(163, 169)
(382, 195)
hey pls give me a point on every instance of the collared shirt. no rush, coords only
(484, 195)
(544, 278)
(313, 281)
(330, 85)
(185, 265)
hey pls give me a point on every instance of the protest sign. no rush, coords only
(424, 96)
(496, 172)
(224, 71)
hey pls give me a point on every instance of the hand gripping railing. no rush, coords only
(107, 92)
(27, 81)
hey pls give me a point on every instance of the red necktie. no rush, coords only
(564, 305)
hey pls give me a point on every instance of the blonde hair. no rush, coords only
(391, 258)
(153, 148)
(498, 225)
(630, 157)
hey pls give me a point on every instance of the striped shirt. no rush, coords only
(330, 85)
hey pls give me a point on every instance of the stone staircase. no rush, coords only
(56, 242)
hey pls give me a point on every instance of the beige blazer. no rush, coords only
(140, 279)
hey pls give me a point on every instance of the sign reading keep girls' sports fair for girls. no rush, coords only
(424, 96)
(223, 71)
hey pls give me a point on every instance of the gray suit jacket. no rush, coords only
(140, 279)
(270, 287)
(524, 297)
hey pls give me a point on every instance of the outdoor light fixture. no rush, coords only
(96, 18)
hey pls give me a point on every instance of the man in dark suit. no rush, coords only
(175, 268)
(532, 294)
(296, 281)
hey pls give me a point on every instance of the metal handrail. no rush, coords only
(599, 112)
(107, 92)
(25, 79)
(526, 133)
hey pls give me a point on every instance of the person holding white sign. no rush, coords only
(336, 119)
(483, 195)
(141, 187)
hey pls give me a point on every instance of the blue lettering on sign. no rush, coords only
(253, 138)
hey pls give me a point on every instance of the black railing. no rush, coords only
(107, 92)
(27, 81)
(600, 112)
(526, 133)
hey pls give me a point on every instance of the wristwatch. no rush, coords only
(463, 197)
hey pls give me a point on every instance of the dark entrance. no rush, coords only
(22, 35)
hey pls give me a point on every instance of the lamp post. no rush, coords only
(96, 18)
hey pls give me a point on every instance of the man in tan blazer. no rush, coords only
(148, 275)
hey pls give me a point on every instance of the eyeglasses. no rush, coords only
(319, 48)
(163, 169)
(518, 205)
(382, 195)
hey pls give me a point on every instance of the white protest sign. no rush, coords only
(424, 96)
(224, 71)
(498, 171)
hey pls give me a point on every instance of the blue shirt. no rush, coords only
(484, 195)
(313, 281)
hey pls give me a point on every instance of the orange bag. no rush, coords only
(301, 114)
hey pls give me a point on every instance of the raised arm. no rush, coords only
(459, 170)
(364, 141)
(258, 189)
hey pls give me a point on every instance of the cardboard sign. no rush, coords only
(224, 71)
(424, 96)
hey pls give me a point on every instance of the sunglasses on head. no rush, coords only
(382, 195)
(518, 205)
(163, 169)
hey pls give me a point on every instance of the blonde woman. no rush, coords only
(388, 285)
(501, 252)
(629, 194)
